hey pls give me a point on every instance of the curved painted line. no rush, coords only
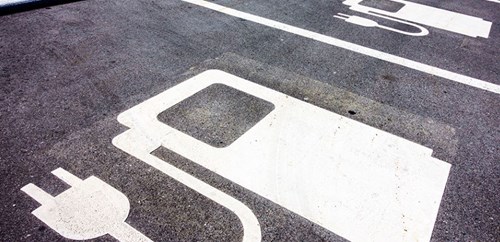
(423, 31)
(128, 142)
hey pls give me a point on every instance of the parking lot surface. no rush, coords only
(191, 120)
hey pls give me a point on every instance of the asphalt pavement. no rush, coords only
(67, 71)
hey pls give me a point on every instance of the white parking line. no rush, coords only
(12, 2)
(470, 81)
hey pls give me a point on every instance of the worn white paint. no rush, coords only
(357, 181)
(89, 209)
(466, 80)
(430, 16)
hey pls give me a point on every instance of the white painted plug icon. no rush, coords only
(365, 22)
(353, 19)
(89, 209)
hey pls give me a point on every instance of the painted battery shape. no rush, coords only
(357, 181)
(430, 16)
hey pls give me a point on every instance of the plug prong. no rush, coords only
(67, 177)
(342, 16)
(339, 17)
(37, 193)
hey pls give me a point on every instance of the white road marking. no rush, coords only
(370, 23)
(67, 177)
(89, 209)
(470, 81)
(37, 193)
(359, 182)
(430, 16)
(136, 143)
(12, 2)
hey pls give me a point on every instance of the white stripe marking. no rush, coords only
(470, 81)
(12, 2)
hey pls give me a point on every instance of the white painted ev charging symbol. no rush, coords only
(413, 14)
(359, 182)
(89, 209)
